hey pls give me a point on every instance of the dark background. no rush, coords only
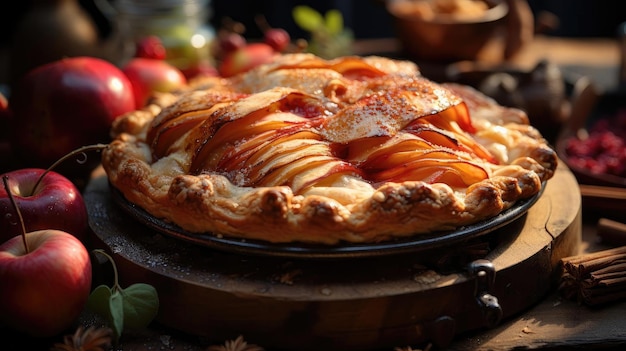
(367, 18)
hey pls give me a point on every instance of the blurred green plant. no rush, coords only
(329, 37)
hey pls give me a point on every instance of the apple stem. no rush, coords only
(82, 151)
(5, 180)
(116, 285)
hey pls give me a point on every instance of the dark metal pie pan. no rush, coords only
(413, 244)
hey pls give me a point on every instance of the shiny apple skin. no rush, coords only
(44, 291)
(56, 204)
(6, 154)
(245, 58)
(63, 105)
(148, 75)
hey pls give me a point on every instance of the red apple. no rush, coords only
(64, 105)
(43, 290)
(245, 58)
(6, 153)
(277, 38)
(148, 75)
(202, 69)
(55, 204)
(4, 105)
(230, 41)
(150, 47)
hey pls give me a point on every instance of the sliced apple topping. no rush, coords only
(396, 130)
(350, 67)
(299, 150)
(442, 129)
(164, 136)
(251, 123)
(454, 172)
(182, 116)
(288, 142)
(387, 111)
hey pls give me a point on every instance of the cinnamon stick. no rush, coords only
(603, 192)
(595, 278)
(611, 232)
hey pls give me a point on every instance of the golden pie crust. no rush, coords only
(349, 150)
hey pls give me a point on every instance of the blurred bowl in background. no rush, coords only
(544, 91)
(593, 146)
(446, 30)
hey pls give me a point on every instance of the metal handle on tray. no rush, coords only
(485, 274)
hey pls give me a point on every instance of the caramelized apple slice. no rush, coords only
(392, 159)
(243, 133)
(448, 122)
(300, 149)
(359, 150)
(322, 174)
(449, 140)
(256, 154)
(162, 138)
(285, 175)
(456, 173)
(243, 121)
(456, 118)
(355, 68)
(351, 67)
(282, 145)
(487, 107)
(386, 112)
(190, 105)
(254, 124)
(362, 150)
(230, 157)
(277, 99)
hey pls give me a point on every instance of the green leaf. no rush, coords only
(133, 307)
(98, 301)
(307, 18)
(334, 22)
(116, 303)
(141, 305)
(108, 304)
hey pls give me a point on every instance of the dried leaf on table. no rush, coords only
(90, 339)
(238, 344)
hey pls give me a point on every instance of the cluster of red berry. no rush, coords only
(603, 151)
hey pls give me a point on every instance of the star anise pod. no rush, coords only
(90, 339)
(238, 344)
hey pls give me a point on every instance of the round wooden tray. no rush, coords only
(346, 304)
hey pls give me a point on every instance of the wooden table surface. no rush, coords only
(556, 323)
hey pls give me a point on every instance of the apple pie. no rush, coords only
(308, 150)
